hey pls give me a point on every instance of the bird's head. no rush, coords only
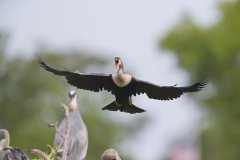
(118, 62)
(73, 106)
(72, 94)
(110, 154)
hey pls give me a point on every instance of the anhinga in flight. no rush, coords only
(122, 85)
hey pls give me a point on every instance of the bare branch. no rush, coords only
(40, 154)
(55, 125)
(66, 134)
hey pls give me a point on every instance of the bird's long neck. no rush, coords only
(6, 141)
(120, 71)
(73, 106)
(120, 75)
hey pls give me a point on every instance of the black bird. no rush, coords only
(122, 85)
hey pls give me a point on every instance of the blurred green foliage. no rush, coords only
(214, 51)
(51, 154)
(30, 98)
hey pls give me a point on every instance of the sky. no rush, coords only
(128, 29)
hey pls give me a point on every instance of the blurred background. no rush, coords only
(164, 42)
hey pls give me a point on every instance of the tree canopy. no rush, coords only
(214, 51)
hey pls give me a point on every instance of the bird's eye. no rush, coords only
(116, 61)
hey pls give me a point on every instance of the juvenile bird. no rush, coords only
(110, 154)
(6, 151)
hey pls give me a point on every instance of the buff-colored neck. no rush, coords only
(120, 78)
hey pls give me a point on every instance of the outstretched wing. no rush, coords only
(164, 92)
(91, 82)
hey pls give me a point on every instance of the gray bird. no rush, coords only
(122, 85)
(7, 152)
(78, 135)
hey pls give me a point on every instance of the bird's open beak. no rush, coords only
(116, 62)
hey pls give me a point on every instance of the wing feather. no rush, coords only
(91, 82)
(164, 92)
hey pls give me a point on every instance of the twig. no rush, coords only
(55, 125)
(40, 154)
(66, 133)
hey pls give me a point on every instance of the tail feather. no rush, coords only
(111, 107)
(132, 109)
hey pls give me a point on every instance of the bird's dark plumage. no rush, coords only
(124, 108)
(9, 153)
(98, 82)
(164, 92)
(91, 82)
